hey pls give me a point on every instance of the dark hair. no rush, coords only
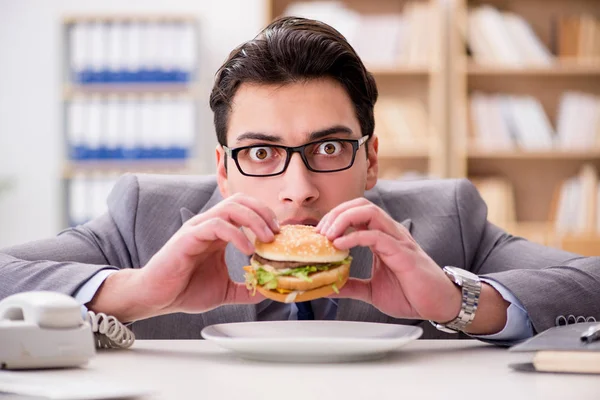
(293, 49)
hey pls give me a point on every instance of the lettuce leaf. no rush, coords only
(263, 276)
(335, 288)
(302, 272)
(268, 279)
(251, 282)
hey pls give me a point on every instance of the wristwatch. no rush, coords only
(471, 289)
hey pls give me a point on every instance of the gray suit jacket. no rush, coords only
(446, 217)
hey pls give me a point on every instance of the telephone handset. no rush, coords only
(43, 329)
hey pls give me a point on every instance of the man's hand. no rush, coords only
(189, 273)
(405, 282)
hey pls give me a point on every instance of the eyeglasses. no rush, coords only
(327, 155)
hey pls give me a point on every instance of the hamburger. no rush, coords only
(300, 264)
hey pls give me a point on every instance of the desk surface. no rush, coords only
(430, 369)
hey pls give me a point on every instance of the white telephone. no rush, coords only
(43, 329)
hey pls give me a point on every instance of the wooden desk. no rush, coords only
(424, 369)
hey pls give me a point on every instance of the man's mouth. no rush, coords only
(300, 221)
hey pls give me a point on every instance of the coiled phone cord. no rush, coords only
(109, 332)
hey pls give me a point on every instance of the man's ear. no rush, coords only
(222, 171)
(372, 161)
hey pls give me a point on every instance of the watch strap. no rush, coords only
(471, 290)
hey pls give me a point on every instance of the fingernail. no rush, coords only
(330, 230)
(324, 228)
(268, 232)
(276, 223)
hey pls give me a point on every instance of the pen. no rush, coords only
(591, 334)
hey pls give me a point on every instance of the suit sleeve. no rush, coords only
(549, 283)
(64, 263)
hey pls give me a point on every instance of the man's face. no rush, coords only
(288, 115)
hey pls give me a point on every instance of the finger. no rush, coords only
(253, 204)
(237, 293)
(367, 216)
(240, 215)
(217, 229)
(379, 242)
(357, 289)
(261, 209)
(323, 225)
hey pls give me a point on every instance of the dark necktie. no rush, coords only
(305, 310)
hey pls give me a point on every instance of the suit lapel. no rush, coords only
(235, 260)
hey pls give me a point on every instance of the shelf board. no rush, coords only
(534, 155)
(407, 154)
(179, 90)
(70, 168)
(124, 18)
(405, 70)
(560, 69)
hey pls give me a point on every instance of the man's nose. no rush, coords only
(298, 187)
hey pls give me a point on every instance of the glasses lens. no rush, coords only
(262, 160)
(329, 155)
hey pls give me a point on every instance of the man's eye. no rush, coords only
(260, 153)
(329, 148)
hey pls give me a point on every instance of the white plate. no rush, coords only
(311, 341)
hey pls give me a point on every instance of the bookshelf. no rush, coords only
(495, 90)
(411, 111)
(566, 69)
(189, 91)
(130, 103)
(72, 168)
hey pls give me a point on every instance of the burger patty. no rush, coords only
(283, 264)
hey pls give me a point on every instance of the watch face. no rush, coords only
(459, 274)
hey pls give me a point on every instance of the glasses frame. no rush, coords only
(356, 143)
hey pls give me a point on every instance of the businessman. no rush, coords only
(293, 112)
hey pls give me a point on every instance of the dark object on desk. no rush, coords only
(573, 348)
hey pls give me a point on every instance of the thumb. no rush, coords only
(356, 289)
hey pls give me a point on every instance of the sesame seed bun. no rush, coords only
(300, 243)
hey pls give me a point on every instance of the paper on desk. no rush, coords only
(65, 387)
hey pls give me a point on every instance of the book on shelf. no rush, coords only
(578, 121)
(579, 38)
(498, 194)
(382, 40)
(87, 195)
(577, 208)
(490, 131)
(562, 349)
(404, 174)
(130, 127)
(402, 126)
(131, 51)
(509, 122)
(495, 37)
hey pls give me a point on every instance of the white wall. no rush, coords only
(31, 48)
